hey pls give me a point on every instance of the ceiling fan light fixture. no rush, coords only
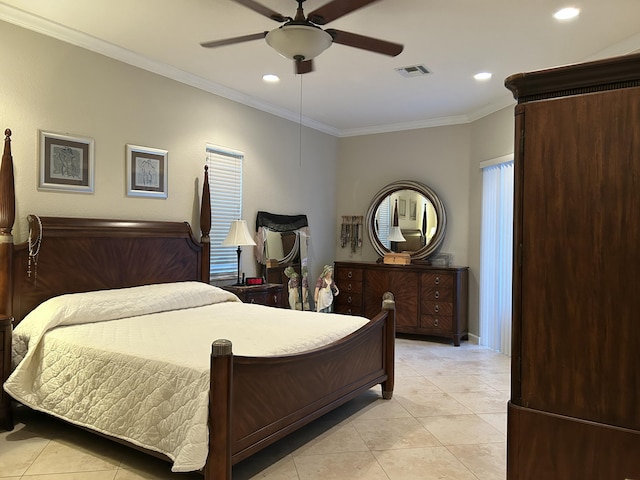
(303, 42)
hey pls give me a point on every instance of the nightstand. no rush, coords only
(269, 294)
(6, 417)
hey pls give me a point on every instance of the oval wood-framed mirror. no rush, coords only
(421, 217)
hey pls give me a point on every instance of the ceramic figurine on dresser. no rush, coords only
(326, 289)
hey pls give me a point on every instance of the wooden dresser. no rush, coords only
(6, 419)
(269, 294)
(429, 300)
(575, 386)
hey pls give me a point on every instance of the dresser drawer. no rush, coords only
(437, 308)
(348, 274)
(436, 323)
(269, 294)
(349, 299)
(437, 294)
(346, 309)
(350, 286)
(270, 299)
(441, 280)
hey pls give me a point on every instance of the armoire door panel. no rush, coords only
(580, 256)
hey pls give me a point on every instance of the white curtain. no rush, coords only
(496, 257)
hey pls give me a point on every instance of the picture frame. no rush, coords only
(66, 163)
(413, 207)
(146, 172)
(402, 207)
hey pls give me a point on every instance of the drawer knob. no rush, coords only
(436, 322)
(437, 308)
(349, 287)
(437, 294)
(275, 299)
(437, 281)
(349, 299)
(350, 274)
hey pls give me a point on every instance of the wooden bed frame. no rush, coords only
(254, 401)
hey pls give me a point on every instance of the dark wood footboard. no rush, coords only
(256, 401)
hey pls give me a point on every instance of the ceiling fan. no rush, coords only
(301, 39)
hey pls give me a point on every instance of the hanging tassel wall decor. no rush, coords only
(351, 231)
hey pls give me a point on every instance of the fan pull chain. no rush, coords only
(300, 125)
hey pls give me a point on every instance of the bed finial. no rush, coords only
(205, 226)
(205, 208)
(7, 191)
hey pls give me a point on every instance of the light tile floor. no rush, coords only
(446, 421)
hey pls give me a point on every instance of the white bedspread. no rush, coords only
(134, 363)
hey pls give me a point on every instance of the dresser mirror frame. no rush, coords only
(392, 191)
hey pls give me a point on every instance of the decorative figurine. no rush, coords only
(294, 288)
(326, 289)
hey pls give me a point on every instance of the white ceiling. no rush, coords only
(351, 91)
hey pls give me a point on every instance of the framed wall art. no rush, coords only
(402, 207)
(412, 209)
(66, 163)
(146, 172)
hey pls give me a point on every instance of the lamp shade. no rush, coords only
(395, 235)
(299, 42)
(238, 235)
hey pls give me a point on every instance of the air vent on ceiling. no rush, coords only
(413, 71)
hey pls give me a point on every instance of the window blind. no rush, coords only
(225, 184)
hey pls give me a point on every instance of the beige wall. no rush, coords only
(47, 84)
(50, 85)
(438, 157)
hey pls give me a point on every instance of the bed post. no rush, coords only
(218, 466)
(389, 305)
(7, 219)
(205, 227)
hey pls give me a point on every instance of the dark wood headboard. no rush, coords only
(80, 254)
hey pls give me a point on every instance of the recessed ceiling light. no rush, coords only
(566, 13)
(269, 77)
(482, 76)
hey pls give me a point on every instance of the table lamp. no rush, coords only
(238, 235)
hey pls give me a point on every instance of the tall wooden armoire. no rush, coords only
(575, 396)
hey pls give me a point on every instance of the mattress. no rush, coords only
(134, 363)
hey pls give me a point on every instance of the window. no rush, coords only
(496, 254)
(383, 222)
(225, 183)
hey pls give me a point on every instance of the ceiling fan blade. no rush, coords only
(230, 41)
(335, 9)
(365, 43)
(304, 66)
(262, 10)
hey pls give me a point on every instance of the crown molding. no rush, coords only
(80, 39)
